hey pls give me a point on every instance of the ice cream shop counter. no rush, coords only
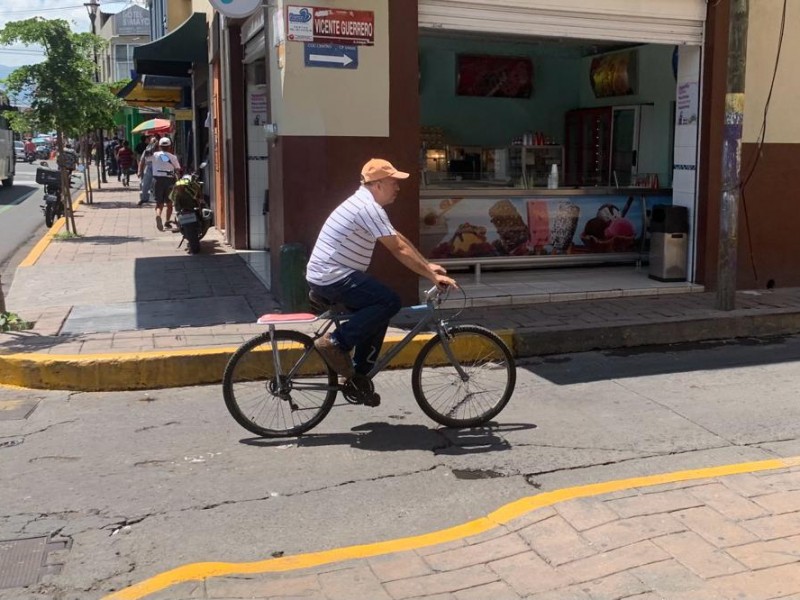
(536, 227)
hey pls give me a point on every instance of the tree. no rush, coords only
(64, 96)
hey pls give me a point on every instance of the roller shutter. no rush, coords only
(646, 21)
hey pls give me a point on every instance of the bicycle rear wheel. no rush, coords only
(283, 406)
(491, 375)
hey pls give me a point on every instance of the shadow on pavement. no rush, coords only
(585, 367)
(391, 437)
(27, 341)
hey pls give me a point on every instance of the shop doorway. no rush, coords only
(572, 143)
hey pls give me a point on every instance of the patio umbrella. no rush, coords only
(153, 126)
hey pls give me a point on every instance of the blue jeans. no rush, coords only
(147, 184)
(372, 305)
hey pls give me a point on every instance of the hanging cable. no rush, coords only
(761, 140)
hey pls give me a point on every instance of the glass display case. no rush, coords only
(529, 166)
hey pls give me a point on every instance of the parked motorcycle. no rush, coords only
(191, 213)
(53, 207)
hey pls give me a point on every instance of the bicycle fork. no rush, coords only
(448, 351)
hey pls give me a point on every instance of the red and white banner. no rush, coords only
(330, 25)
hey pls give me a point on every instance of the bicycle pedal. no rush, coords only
(372, 399)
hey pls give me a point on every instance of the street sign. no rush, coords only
(331, 25)
(335, 56)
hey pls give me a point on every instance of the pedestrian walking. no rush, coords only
(165, 169)
(145, 172)
(125, 161)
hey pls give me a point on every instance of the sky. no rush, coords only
(72, 11)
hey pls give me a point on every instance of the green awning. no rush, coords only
(174, 53)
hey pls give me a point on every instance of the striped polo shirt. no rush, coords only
(347, 239)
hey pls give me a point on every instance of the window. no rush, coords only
(123, 61)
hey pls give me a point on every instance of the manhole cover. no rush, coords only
(13, 410)
(23, 562)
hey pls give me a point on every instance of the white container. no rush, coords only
(552, 179)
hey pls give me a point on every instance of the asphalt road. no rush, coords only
(142, 482)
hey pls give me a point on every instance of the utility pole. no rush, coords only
(732, 156)
(92, 8)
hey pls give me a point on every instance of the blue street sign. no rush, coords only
(333, 56)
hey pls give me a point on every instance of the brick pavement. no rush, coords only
(121, 262)
(706, 538)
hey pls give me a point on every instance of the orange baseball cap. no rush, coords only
(377, 168)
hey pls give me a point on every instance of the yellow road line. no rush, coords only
(505, 514)
(37, 251)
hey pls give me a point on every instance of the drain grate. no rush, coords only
(14, 410)
(23, 562)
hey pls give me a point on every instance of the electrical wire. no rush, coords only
(38, 10)
(761, 140)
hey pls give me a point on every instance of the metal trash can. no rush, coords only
(669, 242)
(294, 288)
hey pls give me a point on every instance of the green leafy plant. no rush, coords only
(12, 322)
(66, 235)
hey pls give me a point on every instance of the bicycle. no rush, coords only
(278, 385)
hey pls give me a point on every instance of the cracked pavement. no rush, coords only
(141, 482)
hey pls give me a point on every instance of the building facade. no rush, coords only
(622, 101)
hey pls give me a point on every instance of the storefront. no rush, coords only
(546, 151)
(607, 91)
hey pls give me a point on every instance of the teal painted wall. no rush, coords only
(494, 121)
(561, 83)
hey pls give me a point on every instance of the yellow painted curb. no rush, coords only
(505, 514)
(116, 372)
(37, 251)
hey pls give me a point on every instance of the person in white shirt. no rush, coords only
(341, 255)
(166, 168)
(145, 171)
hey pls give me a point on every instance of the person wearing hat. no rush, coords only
(336, 270)
(165, 168)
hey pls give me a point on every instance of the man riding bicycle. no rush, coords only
(336, 271)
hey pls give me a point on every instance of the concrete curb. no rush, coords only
(198, 366)
(147, 370)
(530, 342)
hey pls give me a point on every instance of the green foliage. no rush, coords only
(64, 96)
(12, 322)
(66, 235)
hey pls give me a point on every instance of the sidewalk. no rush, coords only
(709, 534)
(121, 307)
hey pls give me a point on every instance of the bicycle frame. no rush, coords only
(335, 318)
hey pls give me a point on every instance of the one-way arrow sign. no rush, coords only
(334, 56)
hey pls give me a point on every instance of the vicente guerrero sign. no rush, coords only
(331, 25)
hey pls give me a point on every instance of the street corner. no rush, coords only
(496, 551)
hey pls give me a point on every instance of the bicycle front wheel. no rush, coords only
(282, 405)
(490, 375)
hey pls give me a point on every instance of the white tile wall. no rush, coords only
(684, 180)
(257, 175)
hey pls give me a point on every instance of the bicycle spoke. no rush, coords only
(489, 377)
(263, 404)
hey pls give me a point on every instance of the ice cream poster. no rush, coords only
(483, 227)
